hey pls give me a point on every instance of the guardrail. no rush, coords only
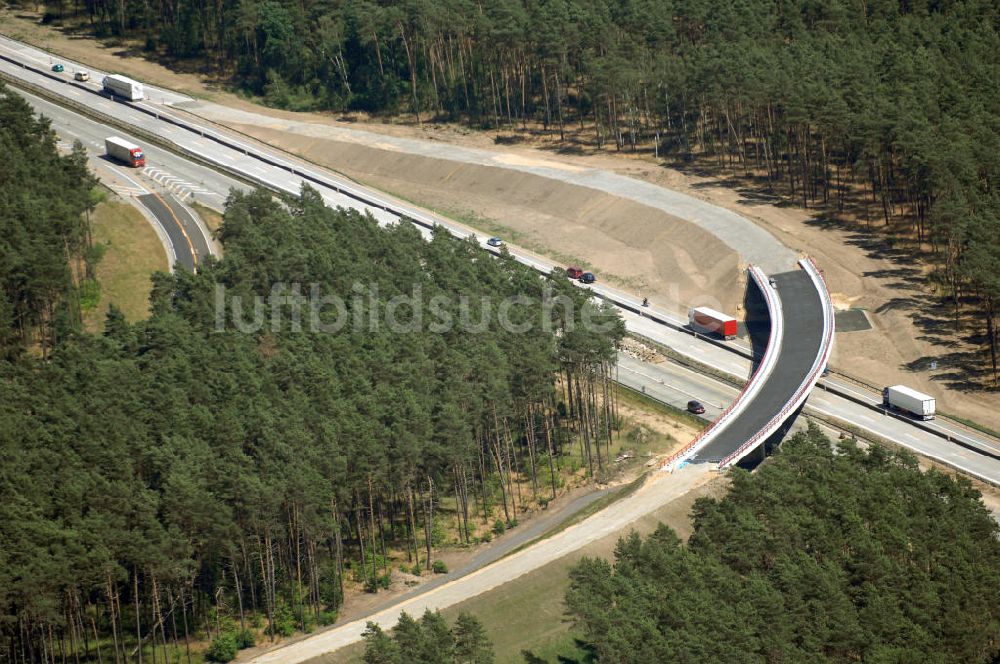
(756, 381)
(350, 192)
(819, 363)
(306, 174)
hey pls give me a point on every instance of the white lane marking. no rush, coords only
(127, 192)
(669, 386)
(180, 186)
(136, 184)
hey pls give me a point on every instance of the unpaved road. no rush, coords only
(659, 489)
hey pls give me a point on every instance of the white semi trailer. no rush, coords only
(122, 86)
(901, 397)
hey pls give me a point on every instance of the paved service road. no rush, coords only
(660, 489)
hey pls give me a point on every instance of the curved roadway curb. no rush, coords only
(819, 364)
(246, 177)
(757, 380)
(159, 229)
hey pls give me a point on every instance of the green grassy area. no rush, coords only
(212, 218)
(589, 510)
(528, 613)
(131, 253)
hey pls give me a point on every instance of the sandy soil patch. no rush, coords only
(634, 245)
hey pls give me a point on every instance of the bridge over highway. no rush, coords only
(789, 359)
(798, 339)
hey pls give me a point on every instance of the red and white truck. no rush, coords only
(703, 319)
(125, 152)
(901, 397)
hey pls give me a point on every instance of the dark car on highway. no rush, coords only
(587, 278)
(695, 407)
(57, 68)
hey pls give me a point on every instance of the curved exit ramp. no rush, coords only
(798, 348)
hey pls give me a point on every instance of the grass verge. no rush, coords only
(132, 252)
(972, 424)
(212, 218)
(591, 509)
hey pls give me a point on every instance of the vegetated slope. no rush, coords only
(886, 109)
(821, 555)
(46, 253)
(180, 469)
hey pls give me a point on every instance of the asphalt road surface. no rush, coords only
(160, 187)
(660, 489)
(800, 344)
(673, 382)
(283, 178)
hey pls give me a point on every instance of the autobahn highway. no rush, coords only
(159, 189)
(853, 404)
(198, 158)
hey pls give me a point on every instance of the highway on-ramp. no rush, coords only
(214, 150)
(161, 189)
(262, 164)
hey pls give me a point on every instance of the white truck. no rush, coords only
(123, 86)
(901, 397)
(124, 151)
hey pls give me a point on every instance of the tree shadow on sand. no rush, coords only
(963, 361)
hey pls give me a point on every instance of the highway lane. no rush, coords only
(186, 239)
(39, 58)
(672, 383)
(283, 179)
(675, 385)
(165, 170)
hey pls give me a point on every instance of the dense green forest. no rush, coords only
(886, 110)
(46, 250)
(179, 478)
(429, 641)
(822, 555)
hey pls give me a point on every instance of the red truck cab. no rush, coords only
(138, 158)
(574, 272)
